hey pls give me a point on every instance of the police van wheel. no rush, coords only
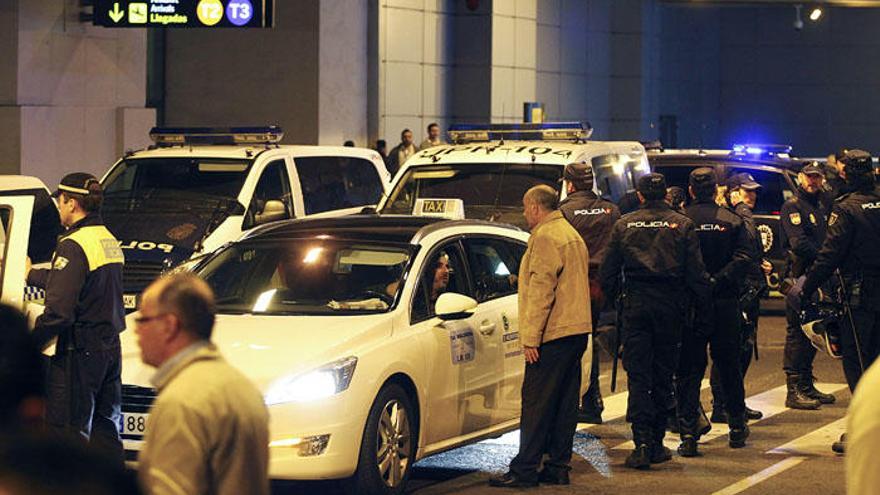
(388, 446)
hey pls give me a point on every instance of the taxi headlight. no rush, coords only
(321, 383)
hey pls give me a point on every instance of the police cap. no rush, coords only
(812, 168)
(580, 174)
(703, 177)
(652, 186)
(742, 180)
(77, 183)
(857, 162)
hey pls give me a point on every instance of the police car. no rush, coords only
(490, 168)
(198, 188)
(772, 166)
(376, 340)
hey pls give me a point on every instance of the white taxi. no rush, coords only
(375, 340)
(490, 168)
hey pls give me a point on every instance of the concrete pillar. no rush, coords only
(72, 94)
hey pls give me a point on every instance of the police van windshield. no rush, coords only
(307, 276)
(176, 179)
(490, 191)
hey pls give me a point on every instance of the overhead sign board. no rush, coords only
(184, 13)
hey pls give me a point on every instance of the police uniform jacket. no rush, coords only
(852, 242)
(83, 286)
(803, 229)
(655, 248)
(724, 244)
(754, 272)
(553, 284)
(208, 431)
(593, 218)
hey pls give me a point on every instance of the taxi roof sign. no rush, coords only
(449, 208)
(545, 131)
(171, 136)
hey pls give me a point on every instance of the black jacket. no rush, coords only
(654, 247)
(83, 287)
(803, 229)
(593, 218)
(852, 242)
(754, 272)
(725, 245)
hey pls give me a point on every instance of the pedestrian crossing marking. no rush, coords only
(816, 443)
(746, 483)
(770, 402)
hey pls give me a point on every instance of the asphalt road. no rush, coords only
(788, 451)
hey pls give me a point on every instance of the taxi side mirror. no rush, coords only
(272, 211)
(452, 306)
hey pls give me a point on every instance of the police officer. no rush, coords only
(803, 230)
(84, 310)
(742, 195)
(851, 247)
(593, 218)
(726, 251)
(653, 257)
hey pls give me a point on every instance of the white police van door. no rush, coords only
(461, 365)
(15, 217)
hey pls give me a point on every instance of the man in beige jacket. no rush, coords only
(208, 432)
(554, 327)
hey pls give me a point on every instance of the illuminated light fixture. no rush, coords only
(313, 255)
(544, 131)
(816, 14)
(169, 136)
(263, 301)
(308, 446)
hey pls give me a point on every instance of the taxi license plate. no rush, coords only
(129, 301)
(132, 424)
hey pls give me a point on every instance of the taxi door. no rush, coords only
(462, 356)
(15, 217)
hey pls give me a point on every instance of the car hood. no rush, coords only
(266, 348)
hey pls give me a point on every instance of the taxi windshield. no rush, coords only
(489, 191)
(307, 276)
(176, 179)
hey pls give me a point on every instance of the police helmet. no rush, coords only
(857, 162)
(821, 325)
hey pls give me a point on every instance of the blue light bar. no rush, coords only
(761, 149)
(167, 136)
(544, 131)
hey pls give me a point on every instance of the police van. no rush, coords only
(772, 166)
(489, 168)
(199, 188)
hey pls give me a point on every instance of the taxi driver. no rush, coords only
(441, 276)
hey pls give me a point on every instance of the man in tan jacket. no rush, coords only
(554, 327)
(208, 432)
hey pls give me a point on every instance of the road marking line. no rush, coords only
(770, 402)
(746, 483)
(816, 443)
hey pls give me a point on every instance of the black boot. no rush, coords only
(688, 446)
(640, 458)
(658, 452)
(839, 447)
(719, 415)
(753, 415)
(591, 406)
(703, 424)
(808, 388)
(739, 432)
(795, 398)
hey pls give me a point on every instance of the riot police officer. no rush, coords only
(851, 248)
(726, 251)
(653, 258)
(593, 218)
(84, 310)
(803, 230)
(742, 195)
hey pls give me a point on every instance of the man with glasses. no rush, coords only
(208, 431)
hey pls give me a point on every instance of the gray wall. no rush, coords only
(734, 74)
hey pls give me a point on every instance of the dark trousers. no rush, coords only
(867, 326)
(718, 328)
(550, 393)
(798, 353)
(84, 392)
(652, 321)
(749, 326)
(593, 392)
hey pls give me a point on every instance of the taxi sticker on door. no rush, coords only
(463, 345)
(510, 339)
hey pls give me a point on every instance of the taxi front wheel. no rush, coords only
(388, 446)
